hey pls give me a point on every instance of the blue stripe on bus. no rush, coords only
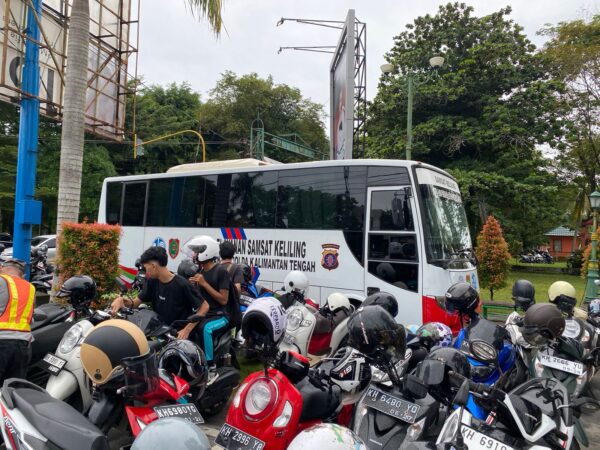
(243, 234)
(224, 233)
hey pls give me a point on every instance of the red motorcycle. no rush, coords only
(272, 406)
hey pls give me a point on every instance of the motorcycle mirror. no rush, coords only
(416, 386)
(194, 318)
(483, 351)
(431, 372)
(121, 285)
(462, 396)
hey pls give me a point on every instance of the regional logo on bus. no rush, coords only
(173, 248)
(329, 259)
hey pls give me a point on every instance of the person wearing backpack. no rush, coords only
(215, 286)
(227, 252)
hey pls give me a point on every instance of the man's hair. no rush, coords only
(226, 250)
(16, 264)
(158, 254)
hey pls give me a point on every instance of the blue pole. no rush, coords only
(27, 209)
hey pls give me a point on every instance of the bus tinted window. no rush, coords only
(134, 202)
(391, 210)
(388, 176)
(113, 202)
(252, 200)
(160, 197)
(323, 198)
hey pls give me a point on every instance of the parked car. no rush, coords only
(47, 239)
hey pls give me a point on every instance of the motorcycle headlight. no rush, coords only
(294, 320)
(450, 428)
(260, 397)
(359, 414)
(70, 339)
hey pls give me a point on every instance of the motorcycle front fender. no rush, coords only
(63, 385)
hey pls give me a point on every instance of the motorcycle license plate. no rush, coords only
(565, 365)
(231, 438)
(391, 405)
(186, 411)
(52, 364)
(479, 441)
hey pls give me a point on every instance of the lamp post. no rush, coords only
(435, 62)
(591, 290)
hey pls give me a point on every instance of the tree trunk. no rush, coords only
(73, 123)
(491, 294)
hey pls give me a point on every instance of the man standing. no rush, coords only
(227, 252)
(17, 298)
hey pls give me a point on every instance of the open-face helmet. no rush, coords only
(523, 294)
(435, 334)
(202, 248)
(296, 281)
(383, 299)
(187, 269)
(543, 322)
(563, 295)
(461, 298)
(264, 323)
(80, 290)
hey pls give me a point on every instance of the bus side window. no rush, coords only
(404, 276)
(114, 193)
(134, 204)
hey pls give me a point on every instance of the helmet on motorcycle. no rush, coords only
(383, 299)
(542, 322)
(80, 290)
(327, 436)
(352, 373)
(107, 344)
(435, 333)
(186, 360)
(202, 248)
(523, 294)
(295, 281)
(594, 308)
(264, 323)
(461, 298)
(171, 432)
(563, 295)
(187, 269)
(338, 301)
(373, 331)
(247, 273)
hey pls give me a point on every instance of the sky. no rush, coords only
(176, 47)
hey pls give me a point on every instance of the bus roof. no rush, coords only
(253, 165)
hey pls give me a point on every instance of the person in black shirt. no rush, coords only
(213, 283)
(170, 295)
(227, 252)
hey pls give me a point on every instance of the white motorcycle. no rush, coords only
(316, 333)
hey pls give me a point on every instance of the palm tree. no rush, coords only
(73, 125)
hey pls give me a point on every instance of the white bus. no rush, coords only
(353, 226)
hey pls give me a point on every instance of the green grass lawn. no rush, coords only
(541, 281)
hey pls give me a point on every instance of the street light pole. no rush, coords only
(591, 290)
(409, 114)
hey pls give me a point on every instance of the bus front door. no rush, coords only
(391, 249)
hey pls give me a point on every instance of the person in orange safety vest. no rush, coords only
(17, 297)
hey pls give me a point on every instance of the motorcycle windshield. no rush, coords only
(147, 320)
(487, 331)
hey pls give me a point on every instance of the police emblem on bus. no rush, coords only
(330, 260)
(173, 248)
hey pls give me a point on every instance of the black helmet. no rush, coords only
(373, 331)
(383, 299)
(247, 273)
(461, 298)
(186, 360)
(80, 289)
(542, 322)
(187, 269)
(523, 294)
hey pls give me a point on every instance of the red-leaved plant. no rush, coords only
(494, 258)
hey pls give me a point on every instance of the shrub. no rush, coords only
(493, 255)
(90, 249)
(575, 260)
(587, 251)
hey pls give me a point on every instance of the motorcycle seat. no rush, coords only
(59, 422)
(318, 404)
(45, 314)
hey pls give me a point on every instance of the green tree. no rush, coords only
(482, 116)
(237, 100)
(493, 256)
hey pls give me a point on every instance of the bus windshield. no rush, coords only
(445, 223)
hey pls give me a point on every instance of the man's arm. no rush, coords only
(120, 302)
(184, 333)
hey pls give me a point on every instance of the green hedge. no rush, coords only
(90, 249)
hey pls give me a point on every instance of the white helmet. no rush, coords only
(327, 436)
(202, 248)
(264, 322)
(171, 432)
(337, 301)
(296, 281)
(352, 373)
